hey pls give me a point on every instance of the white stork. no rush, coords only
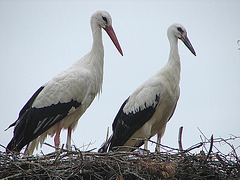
(63, 100)
(146, 112)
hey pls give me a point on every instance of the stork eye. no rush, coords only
(105, 19)
(180, 30)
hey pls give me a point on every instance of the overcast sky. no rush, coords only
(39, 39)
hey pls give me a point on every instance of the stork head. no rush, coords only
(104, 20)
(180, 32)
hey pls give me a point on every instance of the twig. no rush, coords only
(194, 147)
(180, 139)
(134, 174)
(203, 143)
(235, 153)
(220, 160)
(210, 150)
(208, 140)
(38, 164)
(90, 150)
(3, 146)
(89, 144)
(12, 176)
(121, 147)
(51, 145)
(155, 143)
(58, 154)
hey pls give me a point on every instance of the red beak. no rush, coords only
(113, 37)
(186, 41)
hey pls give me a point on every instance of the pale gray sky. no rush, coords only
(39, 39)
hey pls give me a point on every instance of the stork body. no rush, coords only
(146, 112)
(63, 100)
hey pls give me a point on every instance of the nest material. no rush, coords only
(169, 164)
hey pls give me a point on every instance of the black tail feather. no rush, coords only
(13, 146)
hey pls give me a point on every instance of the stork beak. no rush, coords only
(113, 37)
(186, 41)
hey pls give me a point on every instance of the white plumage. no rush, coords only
(146, 112)
(62, 101)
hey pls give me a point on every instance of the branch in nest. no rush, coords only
(180, 139)
(198, 145)
(233, 149)
(210, 150)
(139, 139)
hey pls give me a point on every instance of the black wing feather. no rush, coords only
(27, 105)
(125, 125)
(32, 122)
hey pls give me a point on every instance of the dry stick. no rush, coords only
(89, 144)
(119, 169)
(228, 139)
(78, 150)
(62, 149)
(120, 147)
(134, 174)
(25, 172)
(220, 160)
(207, 139)
(12, 176)
(155, 143)
(58, 154)
(51, 146)
(187, 150)
(180, 139)
(90, 150)
(210, 150)
(235, 153)
(116, 153)
(38, 164)
(7, 150)
(198, 145)
(3, 146)
(203, 143)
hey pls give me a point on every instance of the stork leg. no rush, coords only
(145, 151)
(157, 149)
(57, 136)
(69, 135)
(146, 145)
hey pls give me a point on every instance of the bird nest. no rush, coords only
(171, 163)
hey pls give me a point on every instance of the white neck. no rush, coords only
(97, 46)
(173, 65)
(97, 55)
